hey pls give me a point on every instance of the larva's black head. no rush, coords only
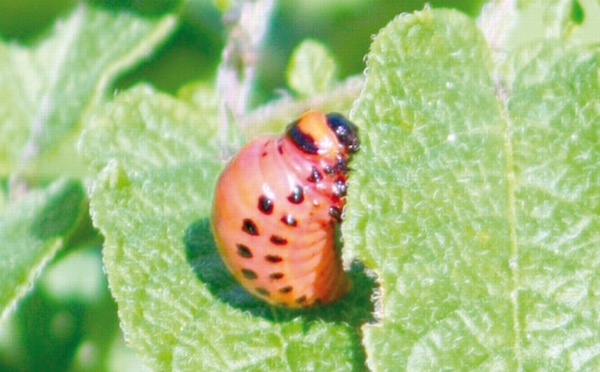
(314, 132)
(345, 130)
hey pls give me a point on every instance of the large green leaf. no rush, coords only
(477, 203)
(46, 89)
(179, 307)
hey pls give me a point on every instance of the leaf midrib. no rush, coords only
(501, 94)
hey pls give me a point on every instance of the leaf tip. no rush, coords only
(114, 176)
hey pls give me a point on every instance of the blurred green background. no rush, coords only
(345, 26)
(69, 321)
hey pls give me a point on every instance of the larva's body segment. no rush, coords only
(275, 209)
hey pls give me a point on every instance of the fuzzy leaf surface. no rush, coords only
(478, 203)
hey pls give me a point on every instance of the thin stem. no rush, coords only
(247, 22)
(17, 185)
(495, 20)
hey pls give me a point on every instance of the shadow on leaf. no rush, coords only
(354, 310)
(202, 255)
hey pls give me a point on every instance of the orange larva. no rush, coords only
(275, 210)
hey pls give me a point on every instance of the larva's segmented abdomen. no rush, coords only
(274, 226)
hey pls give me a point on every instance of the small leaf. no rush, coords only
(311, 68)
(477, 204)
(31, 232)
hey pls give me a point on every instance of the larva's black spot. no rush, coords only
(318, 301)
(278, 240)
(297, 195)
(335, 212)
(276, 276)
(301, 300)
(249, 227)
(329, 170)
(273, 258)
(315, 175)
(341, 165)
(287, 289)
(244, 251)
(249, 274)
(263, 292)
(339, 188)
(289, 220)
(265, 205)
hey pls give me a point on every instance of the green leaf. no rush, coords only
(311, 68)
(46, 89)
(476, 204)
(31, 232)
(179, 307)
